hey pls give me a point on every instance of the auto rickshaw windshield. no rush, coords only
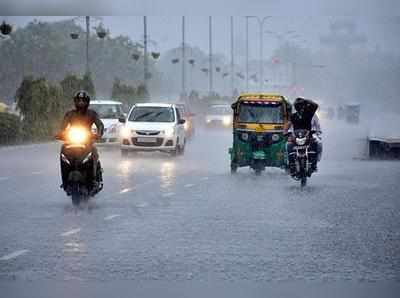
(261, 113)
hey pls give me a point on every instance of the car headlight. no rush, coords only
(275, 137)
(227, 120)
(186, 126)
(169, 132)
(125, 132)
(77, 135)
(208, 120)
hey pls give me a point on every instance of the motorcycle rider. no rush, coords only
(304, 118)
(82, 116)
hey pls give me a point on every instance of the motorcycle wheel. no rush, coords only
(233, 168)
(75, 195)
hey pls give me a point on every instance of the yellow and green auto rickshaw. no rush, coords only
(258, 123)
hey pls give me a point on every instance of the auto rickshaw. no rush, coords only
(258, 123)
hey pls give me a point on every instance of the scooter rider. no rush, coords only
(82, 116)
(304, 118)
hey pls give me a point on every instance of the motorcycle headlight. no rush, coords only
(186, 126)
(275, 137)
(301, 141)
(227, 120)
(245, 136)
(169, 132)
(77, 135)
(125, 133)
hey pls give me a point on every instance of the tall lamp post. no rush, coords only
(5, 29)
(261, 23)
(101, 33)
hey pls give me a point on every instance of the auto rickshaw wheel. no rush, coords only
(234, 168)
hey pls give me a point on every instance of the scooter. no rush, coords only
(77, 159)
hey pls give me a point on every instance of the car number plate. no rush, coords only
(147, 140)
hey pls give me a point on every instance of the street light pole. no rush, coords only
(261, 23)
(183, 58)
(145, 61)
(210, 58)
(87, 43)
(232, 59)
(247, 54)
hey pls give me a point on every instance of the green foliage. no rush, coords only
(129, 94)
(10, 128)
(42, 107)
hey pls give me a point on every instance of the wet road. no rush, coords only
(187, 218)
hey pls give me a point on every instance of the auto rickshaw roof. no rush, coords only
(261, 97)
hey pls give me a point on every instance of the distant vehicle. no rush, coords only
(384, 137)
(326, 113)
(188, 116)
(352, 113)
(153, 127)
(219, 116)
(109, 112)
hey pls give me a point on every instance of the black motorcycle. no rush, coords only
(302, 155)
(77, 159)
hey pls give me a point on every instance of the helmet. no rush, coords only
(81, 100)
(299, 104)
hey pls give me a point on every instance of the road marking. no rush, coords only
(69, 233)
(125, 190)
(14, 255)
(4, 178)
(204, 178)
(168, 194)
(188, 185)
(110, 217)
(142, 205)
(36, 173)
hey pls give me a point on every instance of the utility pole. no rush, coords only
(210, 58)
(232, 59)
(247, 54)
(87, 43)
(261, 23)
(183, 58)
(145, 60)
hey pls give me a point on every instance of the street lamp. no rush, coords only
(5, 29)
(100, 32)
(261, 23)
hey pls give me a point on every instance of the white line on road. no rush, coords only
(204, 178)
(36, 173)
(188, 185)
(14, 255)
(125, 190)
(141, 205)
(4, 178)
(110, 217)
(69, 233)
(168, 194)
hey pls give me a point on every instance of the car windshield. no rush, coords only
(220, 110)
(108, 111)
(261, 113)
(152, 114)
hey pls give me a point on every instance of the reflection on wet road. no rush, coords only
(177, 218)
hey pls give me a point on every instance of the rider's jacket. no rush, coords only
(85, 119)
(304, 120)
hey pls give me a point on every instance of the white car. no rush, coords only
(219, 115)
(109, 112)
(153, 127)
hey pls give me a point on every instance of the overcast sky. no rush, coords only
(166, 30)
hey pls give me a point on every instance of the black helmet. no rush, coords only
(299, 104)
(81, 100)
